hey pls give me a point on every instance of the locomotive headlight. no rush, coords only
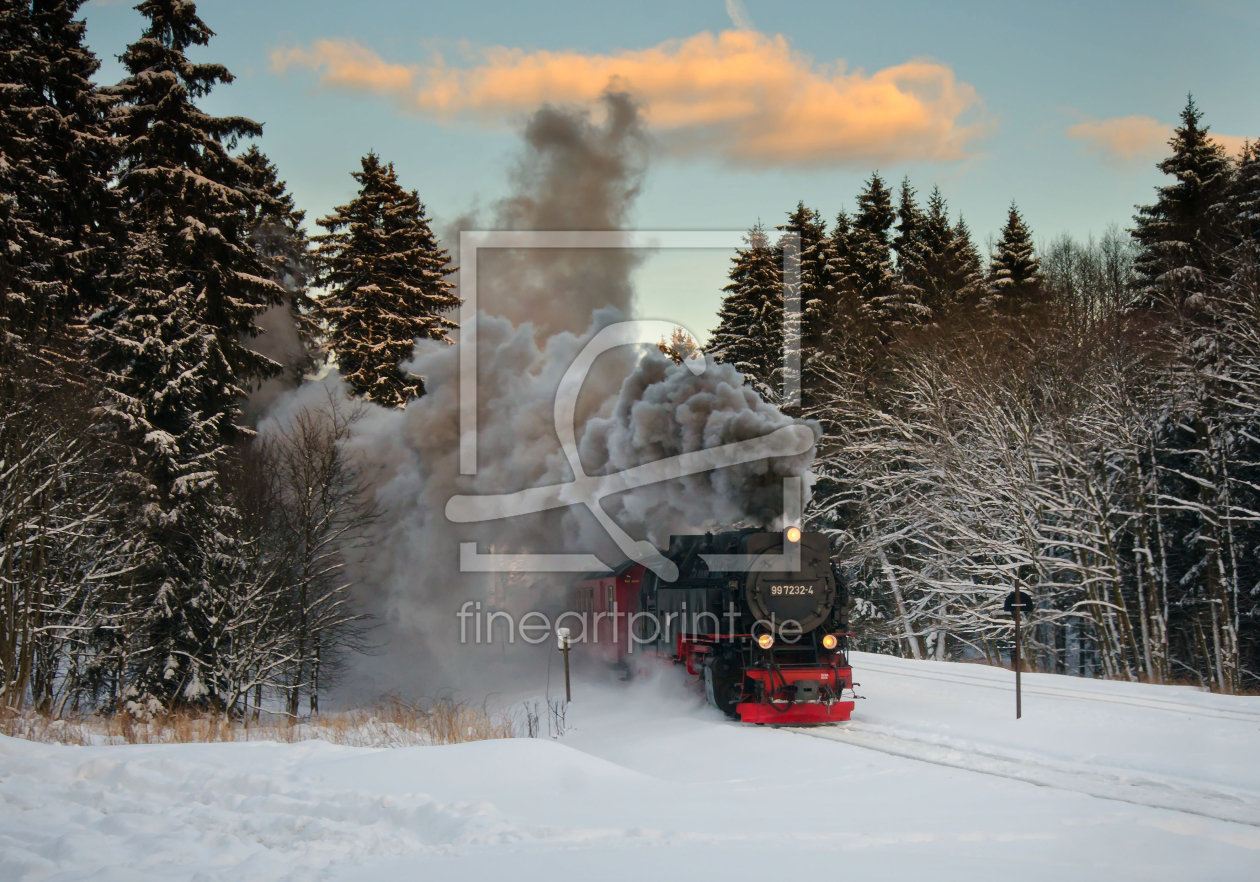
(765, 641)
(830, 641)
(794, 534)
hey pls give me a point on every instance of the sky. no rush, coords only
(1062, 107)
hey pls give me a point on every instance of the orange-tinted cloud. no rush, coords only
(1233, 144)
(347, 65)
(745, 95)
(1125, 139)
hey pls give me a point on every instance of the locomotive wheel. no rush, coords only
(724, 683)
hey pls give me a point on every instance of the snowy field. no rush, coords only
(933, 779)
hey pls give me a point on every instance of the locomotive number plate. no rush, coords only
(780, 590)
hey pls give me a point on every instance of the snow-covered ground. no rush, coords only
(934, 779)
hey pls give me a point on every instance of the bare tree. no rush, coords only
(324, 510)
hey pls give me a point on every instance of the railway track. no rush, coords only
(1102, 782)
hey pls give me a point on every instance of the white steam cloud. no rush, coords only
(636, 408)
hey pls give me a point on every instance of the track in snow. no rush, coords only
(1121, 785)
(960, 745)
(1068, 693)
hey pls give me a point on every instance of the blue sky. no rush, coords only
(1022, 76)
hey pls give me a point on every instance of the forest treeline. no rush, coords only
(156, 549)
(1082, 421)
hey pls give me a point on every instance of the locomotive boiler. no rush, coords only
(761, 617)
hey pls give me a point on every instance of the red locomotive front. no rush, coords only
(760, 617)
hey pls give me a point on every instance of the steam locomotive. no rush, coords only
(760, 617)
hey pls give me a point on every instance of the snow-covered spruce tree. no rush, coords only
(184, 190)
(817, 294)
(949, 264)
(1176, 235)
(913, 254)
(57, 212)
(966, 271)
(749, 335)
(850, 334)
(172, 345)
(843, 276)
(277, 235)
(1014, 280)
(386, 278)
(1237, 216)
(165, 376)
(879, 290)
